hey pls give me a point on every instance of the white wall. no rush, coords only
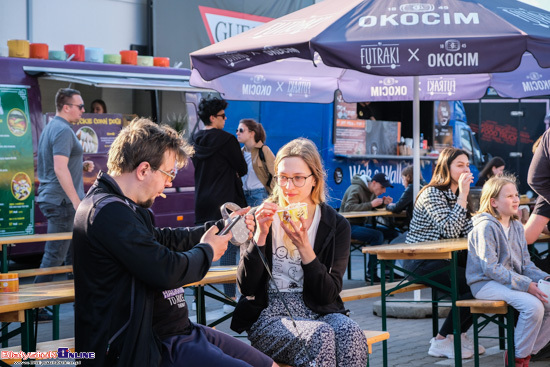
(110, 24)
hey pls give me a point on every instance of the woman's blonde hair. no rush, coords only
(491, 190)
(305, 149)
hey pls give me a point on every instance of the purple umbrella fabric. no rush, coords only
(299, 80)
(392, 38)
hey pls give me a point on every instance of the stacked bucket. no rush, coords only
(77, 52)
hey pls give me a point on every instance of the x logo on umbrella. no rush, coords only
(413, 54)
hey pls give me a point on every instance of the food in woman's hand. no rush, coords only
(293, 212)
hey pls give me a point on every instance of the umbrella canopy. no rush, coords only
(299, 80)
(392, 38)
(344, 41)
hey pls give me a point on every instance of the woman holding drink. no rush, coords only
(307, 244)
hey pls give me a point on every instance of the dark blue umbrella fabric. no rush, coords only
(392, 38)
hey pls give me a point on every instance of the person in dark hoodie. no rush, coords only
(362, 195)
(129, 304)
(219, 167)
(308, 259)
(500, 267)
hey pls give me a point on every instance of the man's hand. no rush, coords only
(377, 202)
(387, 200)
(218, 243)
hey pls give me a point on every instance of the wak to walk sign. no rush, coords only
(16, 163)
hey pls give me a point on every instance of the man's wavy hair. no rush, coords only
(145, 141)
(210, 107)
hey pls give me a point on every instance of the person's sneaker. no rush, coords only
(228, 308)
(467, 343)
(445, 348)
(44, 315)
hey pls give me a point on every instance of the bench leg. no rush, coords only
(501, 336)
(475, 317)
(55, 323)
(349, 266)
(435, 312)
(510, 336)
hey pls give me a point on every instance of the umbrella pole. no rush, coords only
(416, 135)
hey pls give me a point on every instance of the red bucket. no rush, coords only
(39, 51)
(161, 61)
(129, 57)
(77, 50)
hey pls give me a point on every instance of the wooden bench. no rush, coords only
(371, 291)
(43, 271)
(44, 347)
(372, 338)
(497, 312)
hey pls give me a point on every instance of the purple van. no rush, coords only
(164, 94)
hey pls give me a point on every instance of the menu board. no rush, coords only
(351, 137)
(96, 132)
(16, 163)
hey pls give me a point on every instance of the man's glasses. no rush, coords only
(80, 106)
(172, 174)
(298, 181)
(223, 116)
(241, 130)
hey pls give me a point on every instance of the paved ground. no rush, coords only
(407, 347)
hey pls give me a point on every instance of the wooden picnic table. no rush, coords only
(29, 238)
(19, 306)
(216, 275)
(372, 213)
(446, 249)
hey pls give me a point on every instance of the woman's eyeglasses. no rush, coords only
(298, 181)
(241, 130)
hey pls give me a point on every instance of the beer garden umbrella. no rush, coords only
(345, 41)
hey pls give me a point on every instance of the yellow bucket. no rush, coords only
(19, 48)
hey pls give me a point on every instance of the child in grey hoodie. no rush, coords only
(499, 266)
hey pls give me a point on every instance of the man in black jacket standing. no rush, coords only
(219, 166)
(129, 307)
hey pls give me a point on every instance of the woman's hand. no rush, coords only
(300, 239)
(535, 291)
(464, 182)
(264, 218)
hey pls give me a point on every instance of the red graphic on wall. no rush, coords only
(491, 131)
(221, 24)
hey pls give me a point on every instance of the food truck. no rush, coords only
(353, 144)
(27, 102)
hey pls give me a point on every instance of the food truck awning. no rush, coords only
(112, 79)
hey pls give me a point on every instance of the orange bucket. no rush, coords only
(9, 282)
(161, 61)
(39, 51)
(77, 50)
(18, 48)
(128, 57)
